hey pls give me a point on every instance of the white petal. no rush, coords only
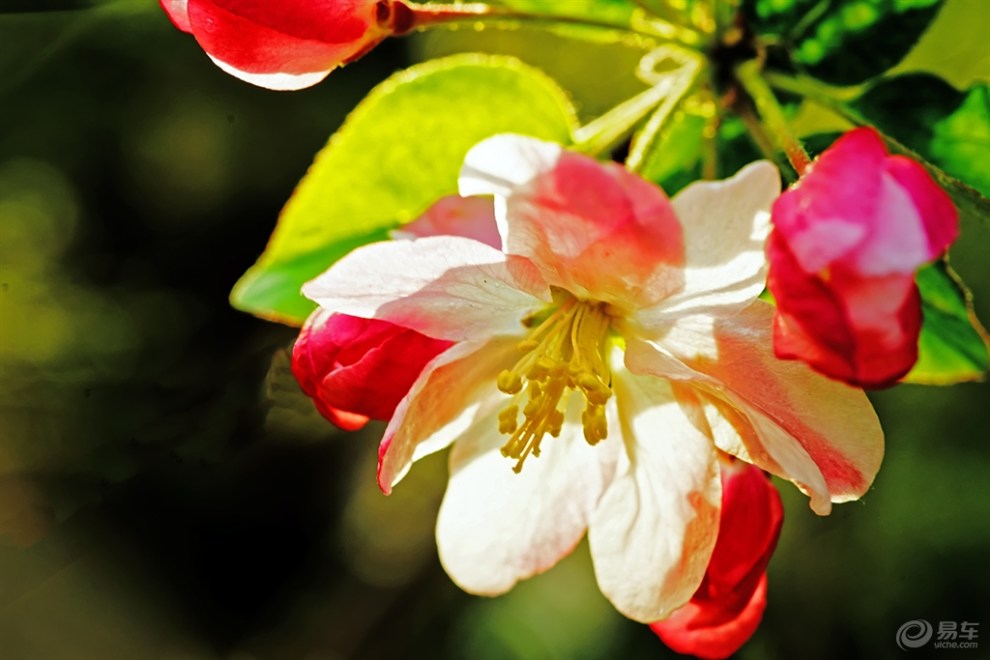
(446, 287)
(500, 164)
(655, 528)
(497, 527)
(280, 81)
(726, 224)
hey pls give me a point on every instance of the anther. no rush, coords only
(509, 381)
(507, 420)
(541, 369)
(526, 345)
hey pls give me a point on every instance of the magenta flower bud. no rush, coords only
(847, 240)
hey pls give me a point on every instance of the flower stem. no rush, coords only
(770, 115)
(676, 85)
(758, 132)
(831, 98)
(421, 16)
(709, 167)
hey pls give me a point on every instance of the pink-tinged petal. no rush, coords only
(469, 217)
(356, 369)
(497, 527)
(451, 394)
(286, 45)
(863, 331)
(938, 214)
(795, 414)
(655, 527)
(725, 228)
(841, 188)
(594, 229)
(445, 287)
(713, 635)
(177, 13)
(747, 434)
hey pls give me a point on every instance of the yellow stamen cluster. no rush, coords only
(566, 351)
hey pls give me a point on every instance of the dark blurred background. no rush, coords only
(167, 492)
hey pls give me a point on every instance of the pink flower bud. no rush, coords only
(728, 606)
(290, 44)
(847, 240)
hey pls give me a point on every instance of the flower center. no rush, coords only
(565, 351)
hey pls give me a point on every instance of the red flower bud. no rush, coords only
(288, 44)
(727, 608)
(847, 240)
(358, 369)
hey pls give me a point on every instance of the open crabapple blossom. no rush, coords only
(339, 360)
(284, 45)
(847, 240)
(507, 341)
(604, 358)
(727, 608)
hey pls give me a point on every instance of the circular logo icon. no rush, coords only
(914, 634)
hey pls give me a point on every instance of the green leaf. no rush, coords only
(953, 345)
(944, 125)
(842, 41)
(400, 150)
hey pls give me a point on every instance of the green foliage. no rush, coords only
(953, 345)
(947, 127)
(399, 151)
(843, 41)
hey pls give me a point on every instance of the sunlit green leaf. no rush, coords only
(953, 344)
(399, 150)
(843, 41)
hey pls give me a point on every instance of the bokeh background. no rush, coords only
(167, 492)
